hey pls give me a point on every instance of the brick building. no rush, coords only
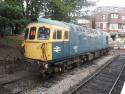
(112, 20)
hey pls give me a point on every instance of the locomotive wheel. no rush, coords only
(63, 68)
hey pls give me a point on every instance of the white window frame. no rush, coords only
(104, 17)
(99, 9)
(123, 17)
(108, 9)
(104, 26)
(114, 15)
(116, 9)
(113, 27)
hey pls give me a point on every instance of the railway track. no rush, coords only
(119, 83)
(21, 85)
(103, 81)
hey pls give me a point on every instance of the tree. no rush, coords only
(59, 10)
(15, 13)
(79, 8)
(32, 8)
(55, 9)
(69, 9)
(11, 15)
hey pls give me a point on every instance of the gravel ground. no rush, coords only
(10, 61)
(63, 82)
(73, 78)
(11, 77)
(9, 53)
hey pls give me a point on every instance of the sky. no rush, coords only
(110, 2)
(119, 3)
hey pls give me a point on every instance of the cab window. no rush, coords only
(66, 35)
(57, 34)
(32, 33)
(43, 33)
(54, 35)
(26, 33)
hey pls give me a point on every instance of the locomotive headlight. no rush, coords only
(46, 66)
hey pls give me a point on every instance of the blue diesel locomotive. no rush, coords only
(58, 45)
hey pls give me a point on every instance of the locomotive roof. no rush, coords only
(52, 22)
(55, 22)
(65, 25)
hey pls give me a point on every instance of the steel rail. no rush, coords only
(117, 79)
(91, 77)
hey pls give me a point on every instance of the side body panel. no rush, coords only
(57, 50)
(79, 43)
(60, 50)
(66, 49)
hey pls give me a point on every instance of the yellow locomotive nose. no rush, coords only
(37, 44)
(38, 51)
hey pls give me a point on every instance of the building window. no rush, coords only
(123, 27)
(104, 17)
(116, 9)
(114, 15)
(99, 9)
(108, 9)
(101, 25)
(113, 26)
(123, 17)
(104, 26)
(97, 25)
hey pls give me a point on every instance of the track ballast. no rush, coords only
(104, 81)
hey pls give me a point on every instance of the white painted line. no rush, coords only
(123, 89)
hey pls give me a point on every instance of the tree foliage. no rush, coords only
(59, 10)
(17, 13)
(79, 7)
(11, 14)
(55, 9)
(32, 8)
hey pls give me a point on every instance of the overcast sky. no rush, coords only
(110, 2)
